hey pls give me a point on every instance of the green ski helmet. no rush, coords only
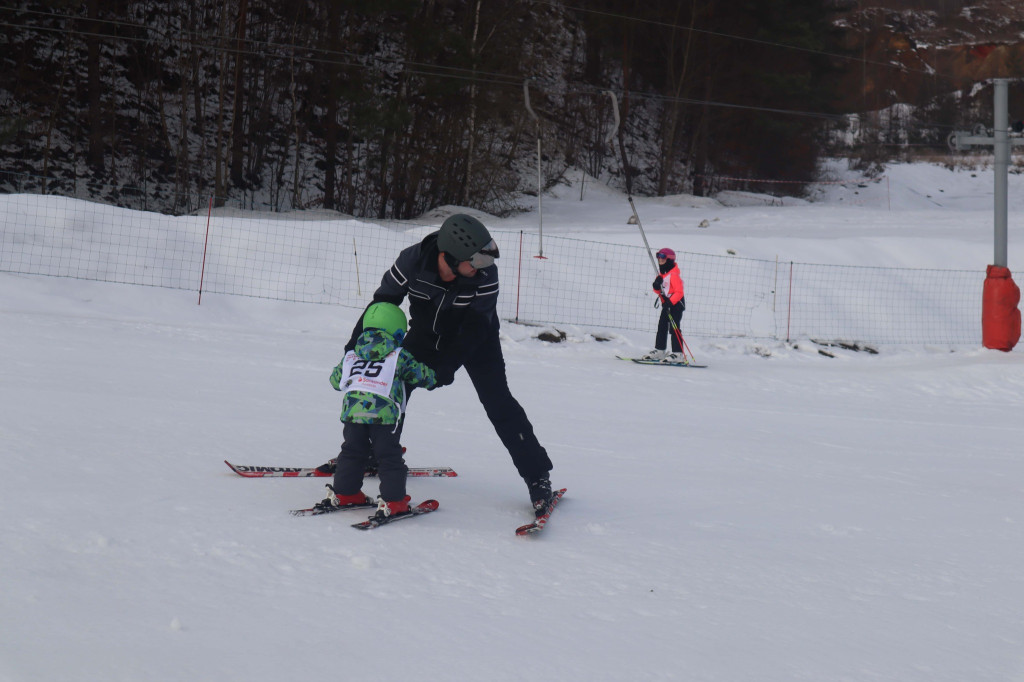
(387, 317)
(465, 238)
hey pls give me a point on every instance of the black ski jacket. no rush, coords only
(447, 320)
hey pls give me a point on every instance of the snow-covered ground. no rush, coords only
(778, 516)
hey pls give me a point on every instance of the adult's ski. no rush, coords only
(543, 514)
(641, 361)
(424, 507)
(317, 510)
(250, 471)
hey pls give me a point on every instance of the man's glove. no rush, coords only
(336, 376)
(657, 283)
(445, 375)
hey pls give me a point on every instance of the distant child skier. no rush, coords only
(374, 377)
(669, 287)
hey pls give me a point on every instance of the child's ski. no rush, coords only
(374, 521)
(317, 510)
(543, 514)
(316, 472)
(641, 361)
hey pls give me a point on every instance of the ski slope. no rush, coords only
(781, 515)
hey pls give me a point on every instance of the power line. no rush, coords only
(347, 59)
(729, 36)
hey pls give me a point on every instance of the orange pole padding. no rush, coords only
(1000, 316)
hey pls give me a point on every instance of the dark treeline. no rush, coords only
(387, 108)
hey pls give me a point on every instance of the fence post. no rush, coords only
(775, 286)
(202, 270)
(355, 256)
(789, 307)
(519, 277)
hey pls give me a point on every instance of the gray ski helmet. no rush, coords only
(466, 239)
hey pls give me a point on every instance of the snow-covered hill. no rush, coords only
(778, 516)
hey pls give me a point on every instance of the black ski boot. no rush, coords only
(540, 491)
(330, 465)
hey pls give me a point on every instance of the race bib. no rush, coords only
(371, 376)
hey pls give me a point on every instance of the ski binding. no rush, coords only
(424, 507)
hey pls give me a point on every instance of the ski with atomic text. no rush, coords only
(249, 471)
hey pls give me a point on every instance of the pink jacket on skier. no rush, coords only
(672, 285)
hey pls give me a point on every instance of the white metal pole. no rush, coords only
(1002, 168)
(540, 186)
(615, 111)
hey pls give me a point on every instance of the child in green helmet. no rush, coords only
(374, 377)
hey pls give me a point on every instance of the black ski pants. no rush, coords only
(665, 328)
(381, 442)
(486, 369)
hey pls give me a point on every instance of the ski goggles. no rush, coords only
(485, 256)
(662, 255)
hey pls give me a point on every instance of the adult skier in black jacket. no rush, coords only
(452, 284)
